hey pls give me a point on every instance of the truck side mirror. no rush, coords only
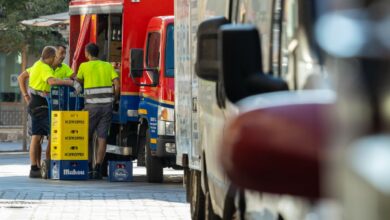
(137, 69)
(242, 70)
(207, 61)
(136, 62)
(154, 75)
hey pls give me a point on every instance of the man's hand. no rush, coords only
(77, 86)
(27, 98)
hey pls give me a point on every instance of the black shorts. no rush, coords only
(40, 126)
(99, 119)
(39, 115)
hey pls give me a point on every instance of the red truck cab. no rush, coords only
(153, 71)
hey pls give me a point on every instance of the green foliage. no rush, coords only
(13, 35)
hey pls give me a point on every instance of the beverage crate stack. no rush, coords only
(69, 136)
(64, 98)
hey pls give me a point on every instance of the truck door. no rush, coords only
(183, 108)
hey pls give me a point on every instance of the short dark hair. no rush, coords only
(48, 52)
(92, 49)
(61, 45)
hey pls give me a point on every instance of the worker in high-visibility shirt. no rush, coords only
(98, 78)
(61, 71)
(41, 77)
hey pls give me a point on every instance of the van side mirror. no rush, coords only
(207, 61)
(136, 62)
(137, 69)
(242, 70)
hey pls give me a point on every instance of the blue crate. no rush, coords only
(120, 171)
(69, 169)
(63, 98)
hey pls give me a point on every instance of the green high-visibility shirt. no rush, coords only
(63, 71)
(39, 73)
(96, 73)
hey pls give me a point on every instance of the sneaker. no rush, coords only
(97, 172)
(90, 174)
(97, 175)
(35, 174)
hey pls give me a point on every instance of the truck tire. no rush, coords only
(187, 183)
(154, 166)
(141, 156)
(197, 200)
(209, 211)
(230, 212)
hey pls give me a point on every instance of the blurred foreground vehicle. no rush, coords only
(305, 143)
(226, 51)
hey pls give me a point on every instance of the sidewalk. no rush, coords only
(11, 146)
(17, 146)
(11, 134)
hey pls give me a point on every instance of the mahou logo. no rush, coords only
(121, 174)
(74, 172)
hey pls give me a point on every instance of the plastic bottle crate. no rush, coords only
(120, 171)
(69, 135)
(69, 169)
(64, 98)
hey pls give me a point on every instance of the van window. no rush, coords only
(170, 53)
(259, 13)
(289, 42)
(153, 50)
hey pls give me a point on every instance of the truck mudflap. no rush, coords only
(166, 146)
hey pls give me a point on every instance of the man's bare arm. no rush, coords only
(59, 82)
(22, 80)
(117, 88)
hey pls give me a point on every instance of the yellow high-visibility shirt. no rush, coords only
(39, 73)
(63, 71)
(96, 73)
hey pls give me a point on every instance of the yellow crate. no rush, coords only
(69, 151)
(66, 133)
(69, 135)
(69, 118)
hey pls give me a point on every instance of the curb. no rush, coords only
(13, 152)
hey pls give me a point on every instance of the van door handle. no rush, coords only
(194, 104)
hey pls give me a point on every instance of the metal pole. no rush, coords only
(109, 36)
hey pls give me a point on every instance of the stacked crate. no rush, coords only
(69, 145)
(69, 136)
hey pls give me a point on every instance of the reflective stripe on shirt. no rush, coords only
(99, 95)
(101, 90)
(36, 92)
(99, 100)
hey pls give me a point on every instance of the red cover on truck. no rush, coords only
(82, 41)
(278, 149)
